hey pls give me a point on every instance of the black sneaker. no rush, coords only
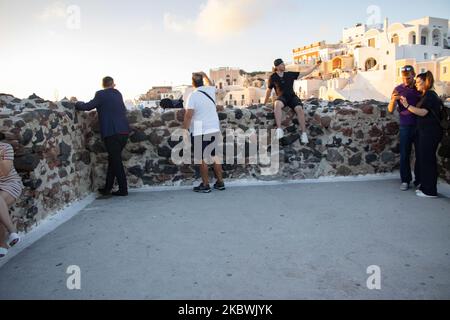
(104, 192)
(120, 193)
(202, 189)
(219, 186)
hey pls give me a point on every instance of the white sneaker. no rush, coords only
(423, 195)
(404, 186)
(279, 133)
(3, 253)
(13, 239)
(305, 138)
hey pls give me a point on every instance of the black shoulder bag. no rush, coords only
(171, 103)
(209, 97)
(443, 118)
(444, 121)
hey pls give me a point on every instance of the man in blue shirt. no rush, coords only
(114, 128)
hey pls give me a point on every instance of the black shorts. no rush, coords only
(291, 102)
(206, 141)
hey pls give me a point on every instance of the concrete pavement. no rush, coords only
(293, 241)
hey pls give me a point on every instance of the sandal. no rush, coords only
(13, 239)
(3, 253)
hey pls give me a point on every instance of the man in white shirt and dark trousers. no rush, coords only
(202, 120)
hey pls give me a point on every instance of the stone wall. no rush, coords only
(343, 141)
(50, 155)
(61, 157)
(444, 168)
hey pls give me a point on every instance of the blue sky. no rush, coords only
(147, 43)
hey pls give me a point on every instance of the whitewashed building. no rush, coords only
(380, 52)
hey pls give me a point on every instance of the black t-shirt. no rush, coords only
(433, 104)
(283, 86)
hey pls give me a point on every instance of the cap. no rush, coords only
(408, 68)
(277, 62)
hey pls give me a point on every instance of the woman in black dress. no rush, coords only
(429, 133)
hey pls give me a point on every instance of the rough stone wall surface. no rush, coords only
(61, 157)
(345, 139)
(444, 168)
(50, 155)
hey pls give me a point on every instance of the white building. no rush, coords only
(226, 76)
(147, 104)
(310, 54)
(306, 89)
(422, 39)
(242, 97)
(380, 52)
(354, 34)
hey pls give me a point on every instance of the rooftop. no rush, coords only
(276, 241)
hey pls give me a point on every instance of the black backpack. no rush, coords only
(444, 120)
(171, 104)
(444, 115)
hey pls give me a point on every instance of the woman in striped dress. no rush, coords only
(10, 189)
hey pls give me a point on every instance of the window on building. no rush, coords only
(231, 97)
(372, 43)
(423, 40)
(425, 56)
(444, 70)
(414, 39)
(395, 39)
(235, 102)
(385, 67)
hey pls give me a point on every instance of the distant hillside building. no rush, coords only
(178, 92)
(245, 97)
(371, 59)
(223, 77)
(322, 51)
(155, 93)
(237, 88)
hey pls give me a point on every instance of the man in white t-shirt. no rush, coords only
(202, 120)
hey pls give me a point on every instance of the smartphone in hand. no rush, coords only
(396, 95)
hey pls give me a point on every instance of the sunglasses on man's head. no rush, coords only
(407, 69)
